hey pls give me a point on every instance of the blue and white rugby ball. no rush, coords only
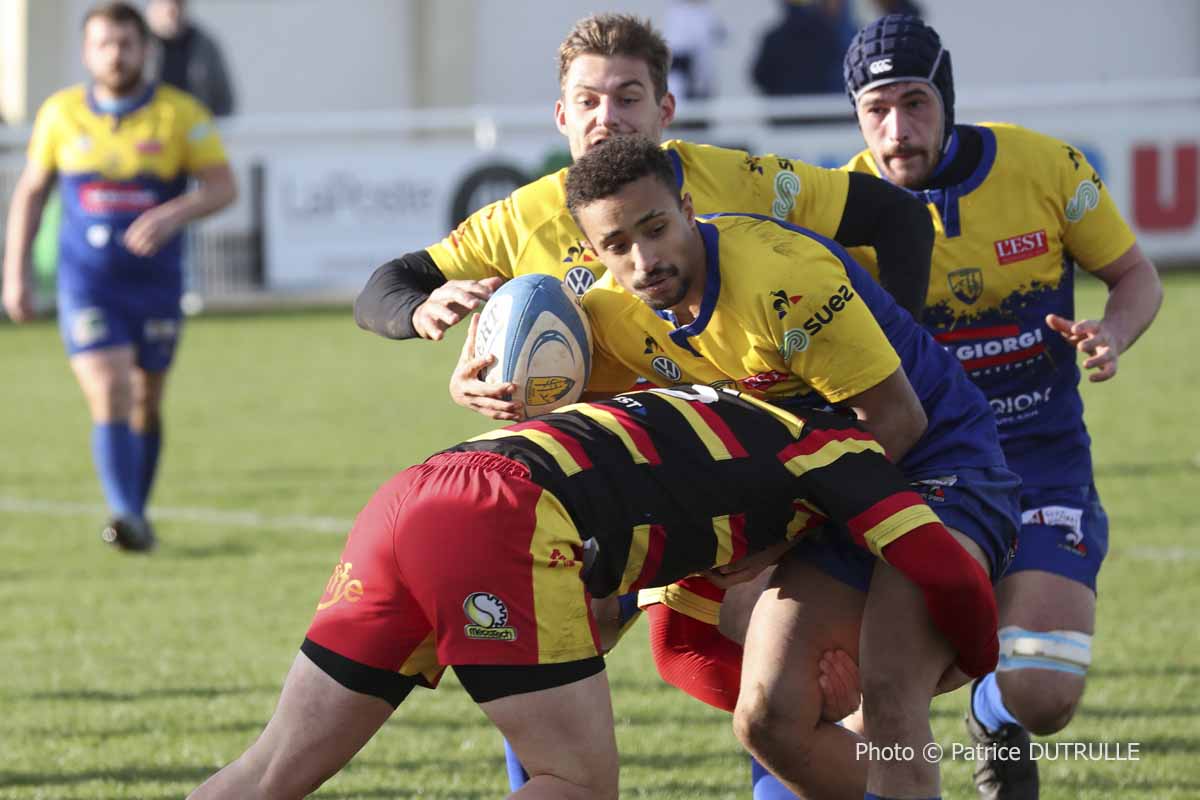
(539, 334)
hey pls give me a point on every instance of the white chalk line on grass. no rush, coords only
(297, 522)
(205, 516)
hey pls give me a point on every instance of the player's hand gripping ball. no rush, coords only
(539, 334)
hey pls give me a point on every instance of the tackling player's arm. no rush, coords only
(24, 216)
(845, 474)
(409, 297)
(898, 226)
(892, 412)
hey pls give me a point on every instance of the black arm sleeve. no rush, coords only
(386, 304)
(898, 226)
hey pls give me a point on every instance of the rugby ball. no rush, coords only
(539, 334)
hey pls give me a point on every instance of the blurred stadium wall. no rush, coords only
(367, 128)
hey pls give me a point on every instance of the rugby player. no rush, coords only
(122, 152)
(754, 302)
(591, 500)
(1015, 212)
(612, 73)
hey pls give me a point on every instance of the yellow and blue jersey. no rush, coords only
(1007, 240)
(532, 231)
(788, 316)
(113, 167)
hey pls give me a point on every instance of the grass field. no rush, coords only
(136, 677)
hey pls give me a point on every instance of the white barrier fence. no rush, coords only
(342, 193)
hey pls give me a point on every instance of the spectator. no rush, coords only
(693, 31)
(802, 54)
(186, 57)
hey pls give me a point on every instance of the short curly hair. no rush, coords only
(612, 165)
(617, 35)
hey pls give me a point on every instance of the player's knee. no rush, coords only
(1044, 702)
(891, 701)
(1041, 675)
(763, 724)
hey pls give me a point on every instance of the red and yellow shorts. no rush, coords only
(462, 560)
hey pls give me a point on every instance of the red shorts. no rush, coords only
(460, 560)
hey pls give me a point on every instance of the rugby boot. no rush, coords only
(1004, 765)
(132, 534)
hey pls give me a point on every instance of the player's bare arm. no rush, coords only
(1134, 297)
(892, 412)
(153, 228)
(468, 390)
(24, 216)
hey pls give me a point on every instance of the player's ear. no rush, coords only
(666, 110)
(689, 210)
(560, 116)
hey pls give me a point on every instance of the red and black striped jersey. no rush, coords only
(669, 482)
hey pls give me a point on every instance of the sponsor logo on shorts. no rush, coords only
(666, 367)
(579, 279)
(160, 330)
(88, 326)
(489, 618)
(1065, 517)
(933, 490)
(1020, 248)
(560, 559)
(341, 587)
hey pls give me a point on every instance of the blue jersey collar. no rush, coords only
(709, 236)
(119, 108)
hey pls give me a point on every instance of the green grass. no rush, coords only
(130, 677)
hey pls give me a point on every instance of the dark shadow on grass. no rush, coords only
(104, 696)
(123, 776)
(1172, 671)
(1140, 712)
(228, 548)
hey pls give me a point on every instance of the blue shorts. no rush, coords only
(1064, 530)
(982, 503)
(151, 324)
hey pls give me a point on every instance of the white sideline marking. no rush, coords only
(207, 516)
(255, 519)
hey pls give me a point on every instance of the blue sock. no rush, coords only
(114, 452)
(989, 706)
(517, 777)
(767, 786)
(147, 445)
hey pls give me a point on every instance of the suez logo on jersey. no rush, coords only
(1019, 248)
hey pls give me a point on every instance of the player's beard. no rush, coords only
(661, 280)
(122, 82)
